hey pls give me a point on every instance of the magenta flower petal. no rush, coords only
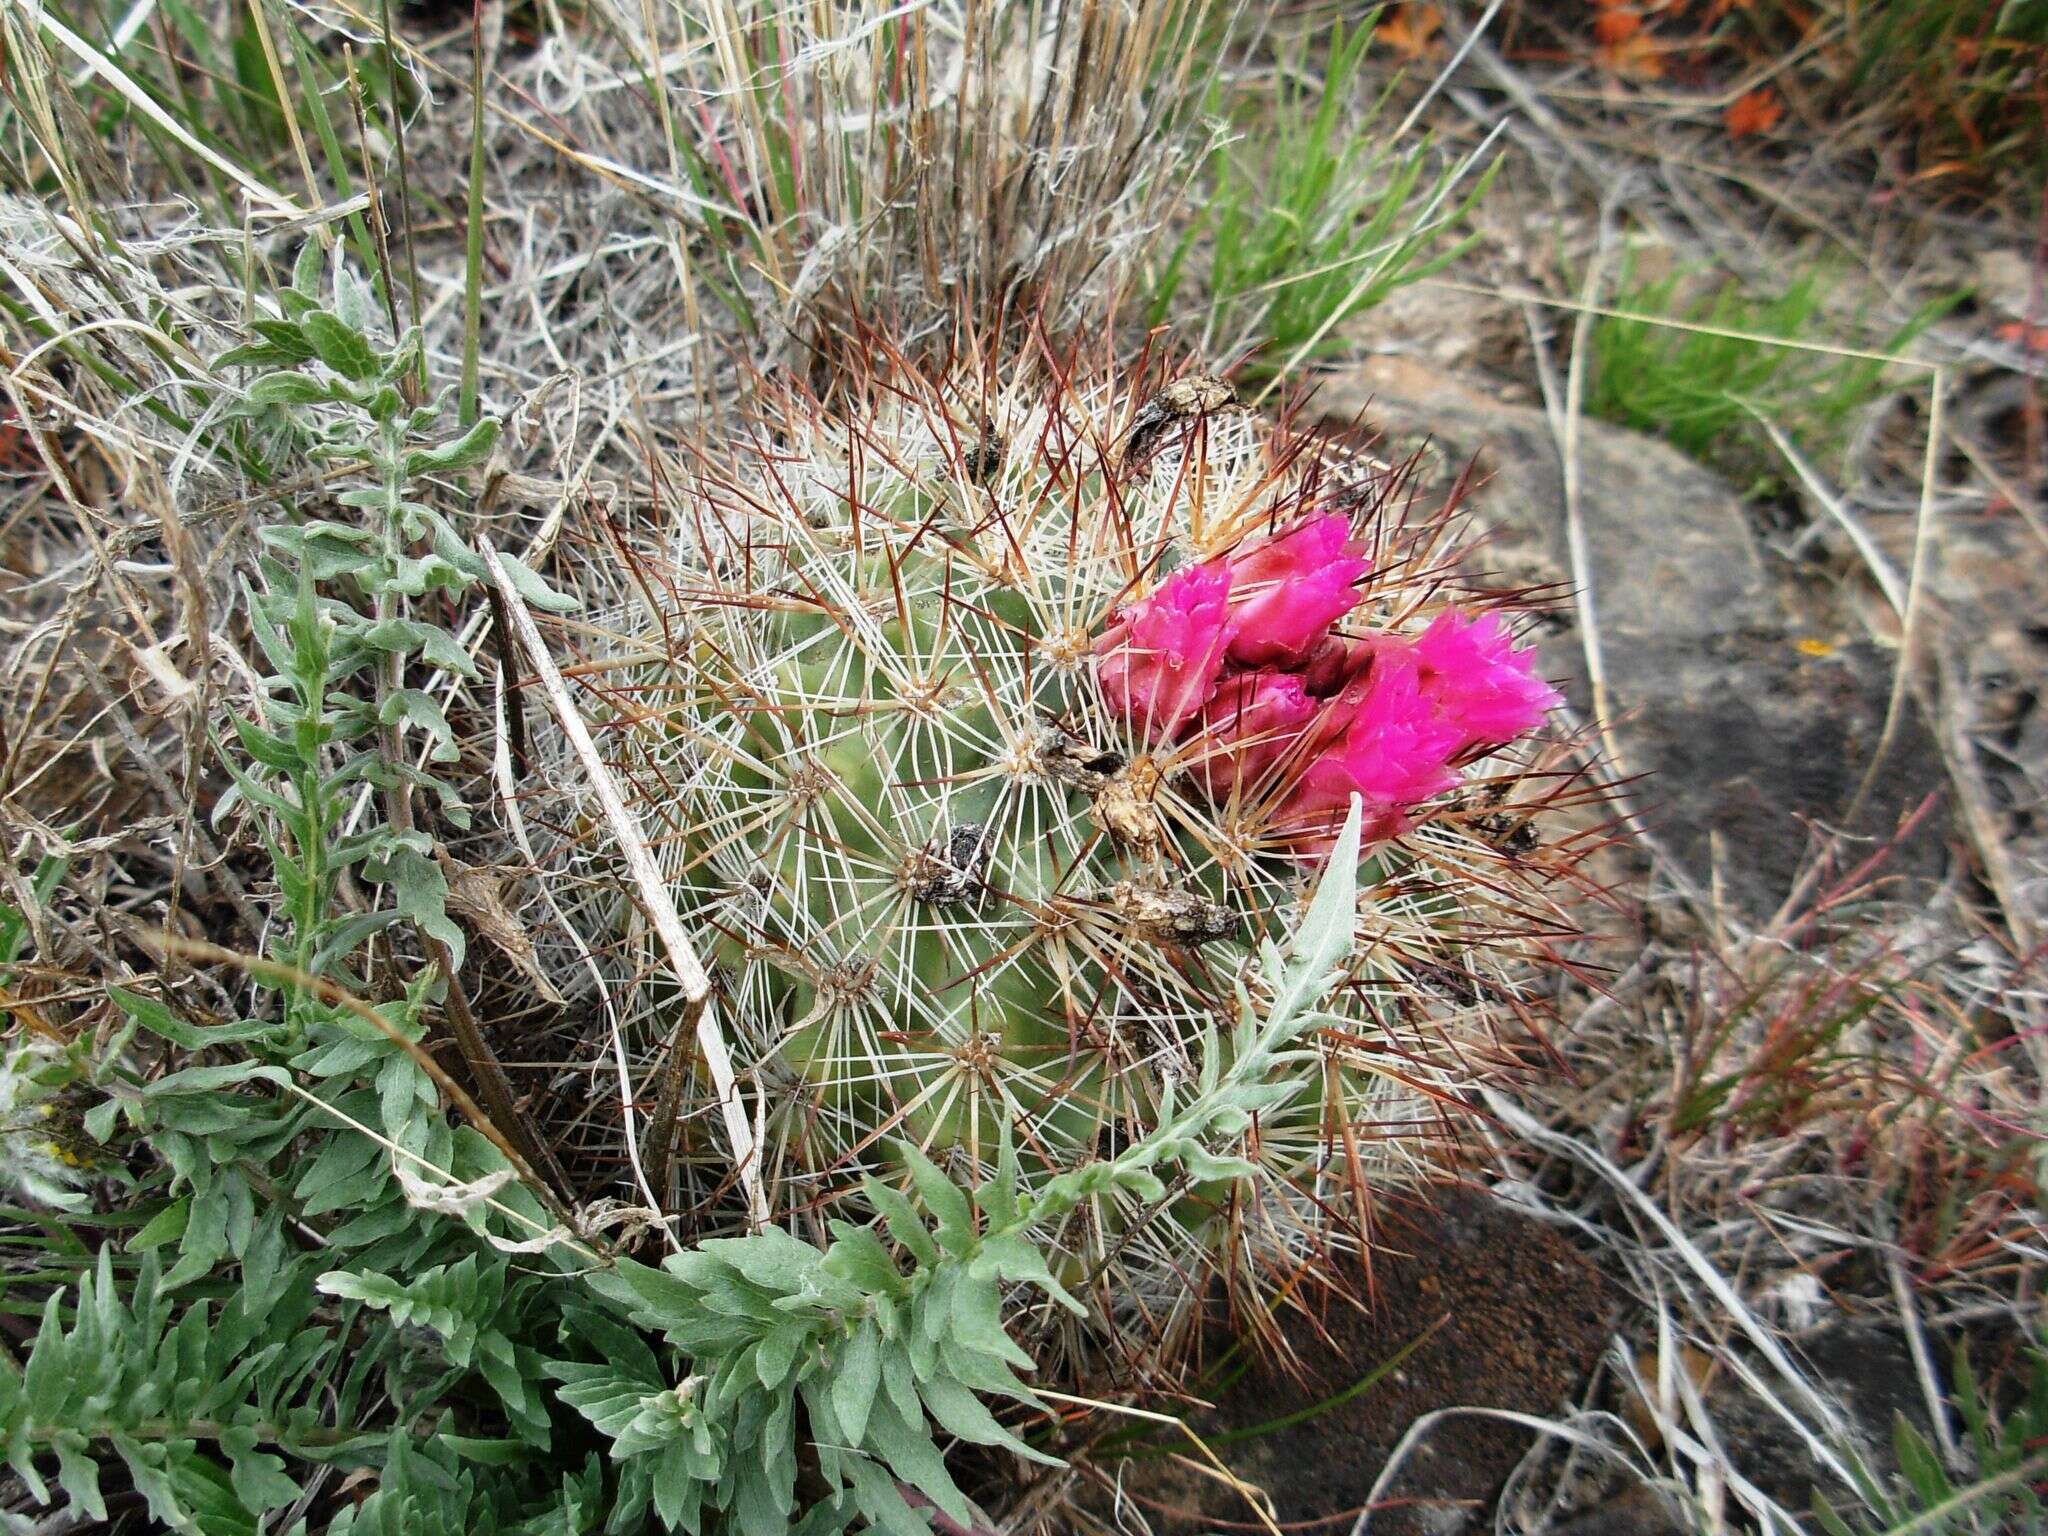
(1382, 738)
(1288, 590)
(1245, 729)
(1488, 689)
(1158, 663)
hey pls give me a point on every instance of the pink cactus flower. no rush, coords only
(1288, 590)
(1237, 662)
(1245, 729)
(1158, 663)
(1480, 681)
(1382, 738)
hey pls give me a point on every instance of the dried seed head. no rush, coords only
(1186, 399)
(1124, 805)
(1167, 914)
(944, 875)
(1064, 757)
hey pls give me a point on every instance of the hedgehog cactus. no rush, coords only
(984, 731)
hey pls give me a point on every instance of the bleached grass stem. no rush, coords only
(508, 800)
(1253, 1496)
(1931, 1390)
(1881, 569)
(632, 841)
(1450, 68)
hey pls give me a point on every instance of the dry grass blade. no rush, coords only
(1261, 1506)
(1566, 415)
(1881, 570)
(1796, 1380)
(1912, 619)
(140, 100)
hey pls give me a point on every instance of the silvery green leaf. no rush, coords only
(380, 400)
(1323, 941)
(920, 1349)
(448, 546)
(899, 1379)
(959, 1412)
(288, 389)
(977, 1370)
(1142, 1182)
(536, 591)
(306, 270)
(402, 1090)
(336, 1058)
(856, 1380)
(728, 1294)
(952, 1212)
(210, 1080)
(975, 1319)
(1233, 1119)
(421, 891)
(1211, 1058)
(268, 749)
(77, 1474)
(268, 615)
(880, 1502)
(909, 1451)
(652, 1295)
(936, 1305)
(258, 1476)
(401, 636)
(757, 1509)
(353, 1187)
(1018, 1260)
(606, 1396)
(823, 1291)
(325, 552)
(1252, 1098)
(776, 1354)
(413, 706)
(414, 575)
(770, 1258)
(354, 304)
(1206, 1167)
(285, 335)
(158, 1019)
(778, 1447)
(100, 1123)
(901, 1218)
(857, 1255)
(261, 354)
(472, 448)
(340, 346)
(154, 1469)
(404, 359)
(997, 1196)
